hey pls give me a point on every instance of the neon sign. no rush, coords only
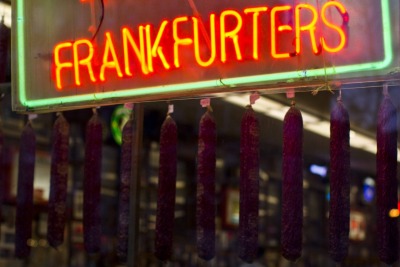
(179, 52)
(145, 54)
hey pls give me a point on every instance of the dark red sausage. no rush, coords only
(24, 213)
(126, 173)
(166, 190)
(339, 209)
(58, 183)
(386, 182)
(91, 185)
(292, 185)
(4, 43)
(2, 174)
(206, 187)
(249, 186)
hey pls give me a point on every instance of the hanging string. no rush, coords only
(254, 97)
(170, 108)
(340, 95)
(290, 93)
(385, 90)
(31, 117)
(94, 110)
(205, 102)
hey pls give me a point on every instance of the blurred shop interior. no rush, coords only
(362, 104)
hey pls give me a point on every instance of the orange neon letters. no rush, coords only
(109, 50)
(177, 40)
(311, 27)
(256, 12)
(233, 34)
(83, 62)
(138, 50)
(281, 28)
(163, 47)
(196, 42)
(60, 65)
(339, 30)
(154, 50)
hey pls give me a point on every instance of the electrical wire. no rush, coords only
(101, 20)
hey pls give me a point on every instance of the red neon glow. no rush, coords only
(155, 50)
(162, 48)
(87, 61)
(59, 65)
(256, 13)
(331, 25)
(109, 51)
(281, 28)
(179, 41)
(196, 42)
(233, 34)
(311, 27)
(139, 51)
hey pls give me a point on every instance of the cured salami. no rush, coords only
(4, 43)
(206, 187)
(249, 186)
(386, 182)
(292, 185)
(2, 174)
(24, 208)
(339, 206)
(166, 190)
(57, 213)
(124, 194)
(92, 185)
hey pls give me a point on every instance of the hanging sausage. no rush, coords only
(206, 186)
(92, 185)
(166, 190)
(4, 43)
(2, 174)
(386, 181)
(339, 209)
(249, 186)
(57, 212)
(292, 184)
(24, 208)
(124, 197)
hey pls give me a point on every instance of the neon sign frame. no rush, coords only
(32, 104)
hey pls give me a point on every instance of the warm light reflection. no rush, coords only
(394, 213)
(312, 122)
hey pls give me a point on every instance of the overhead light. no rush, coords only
(319, 170)
(5, 10)
(311, 123)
